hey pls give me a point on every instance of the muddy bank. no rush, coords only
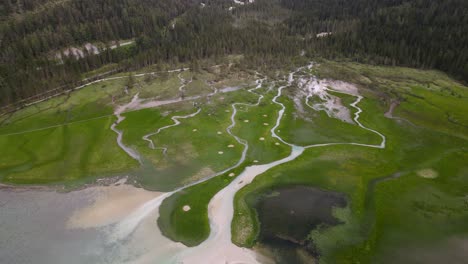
(288, 215)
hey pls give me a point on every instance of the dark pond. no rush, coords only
(287, 215)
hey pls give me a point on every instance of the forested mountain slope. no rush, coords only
(417, 33)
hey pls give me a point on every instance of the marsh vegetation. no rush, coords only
(241, 152)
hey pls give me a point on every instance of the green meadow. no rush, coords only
(387, 215)
(405, 203)
(64, 140)
(67, 139)
(192, 227)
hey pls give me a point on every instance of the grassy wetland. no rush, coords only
(333, 161)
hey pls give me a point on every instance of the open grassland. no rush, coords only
(393, 205)
(253, 124)
(90, 102)
(428, 98)
(409, 195)
(63, 154)
(195, 149)
(63, 140)
(192, 227)
(314, 127)
(320, 167)
(424, 214)
(68, 138)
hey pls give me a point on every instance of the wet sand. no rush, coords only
(43, 226)
(110, 205)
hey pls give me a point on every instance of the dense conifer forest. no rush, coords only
(35, 33)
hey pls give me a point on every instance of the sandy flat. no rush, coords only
(111, 204)
(218, 248)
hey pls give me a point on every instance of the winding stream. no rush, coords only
(218, 246)
(127, 226)
(221, 206)
(132, 153)
(183, 84)
(125, 240)
(176, 123)
(356, 119)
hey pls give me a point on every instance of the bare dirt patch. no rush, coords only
(393, 105)
(427, 173)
